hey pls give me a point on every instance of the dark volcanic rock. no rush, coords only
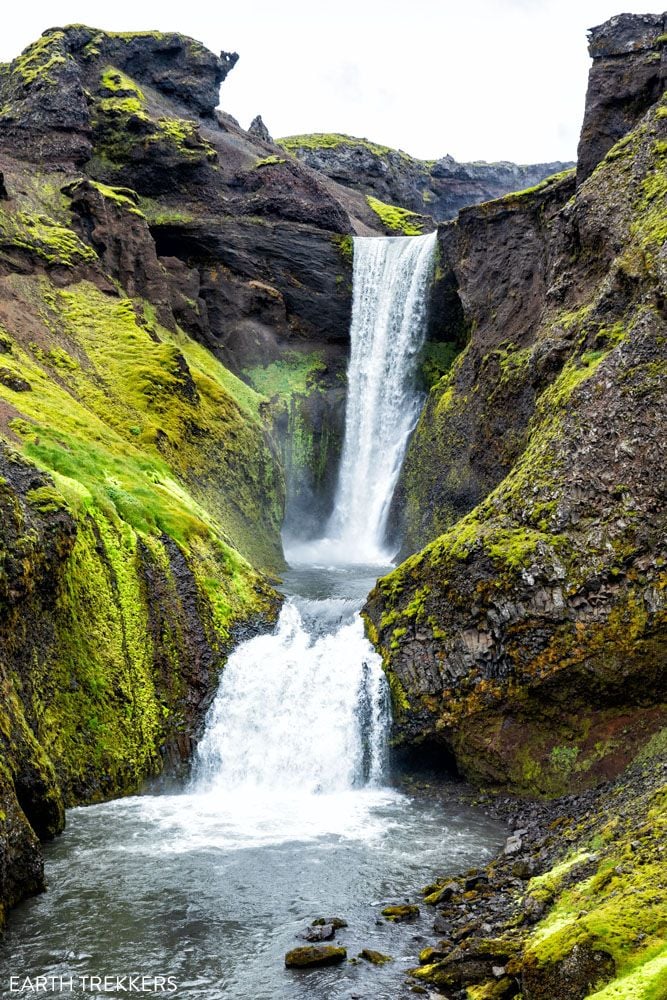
(259, 129)
(528, 636)
(628, 75)
(438, 189)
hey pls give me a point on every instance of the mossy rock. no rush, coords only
(311, 957)
(375, 957)
(398, 914)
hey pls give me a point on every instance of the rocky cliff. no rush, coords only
(435, 189)
(528, 636)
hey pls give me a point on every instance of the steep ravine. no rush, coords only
(174, 312)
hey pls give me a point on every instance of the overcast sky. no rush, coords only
(480, 79)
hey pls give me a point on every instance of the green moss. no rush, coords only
(119, 84)
(125, 197)
(293, 374)
(141, 376)
(516, 197)
(38, 61)
(398, 220)
(334, 140)
(184, 135)
(437, 359)
(159, 214)
(269, 161)
(42, 235)
(619, 909)
(345, 245)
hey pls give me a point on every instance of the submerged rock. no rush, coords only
(336, 922)
(375, 957)
(322, 932)
(397, 914)
(303, 958)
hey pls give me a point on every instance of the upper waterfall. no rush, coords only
(389, 307)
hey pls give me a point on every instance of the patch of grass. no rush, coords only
(398, 220)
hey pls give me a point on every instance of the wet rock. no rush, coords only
(513, 844)
(375, 957)
(13, 381)
(523, 869)
(427, 956)
(304, 958)
(442, 924)
(476, 881)
(572, 978)
(336, 922)
(441, 894)
(323, 932)
(401, 913)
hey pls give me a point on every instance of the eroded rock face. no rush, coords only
(438, 189)
(628, 75)
(530, 632)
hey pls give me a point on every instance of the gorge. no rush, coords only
(175, 305)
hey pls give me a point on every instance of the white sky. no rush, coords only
(482, 79)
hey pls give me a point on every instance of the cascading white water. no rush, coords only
(305, 709)
(389, 309)
(297, 711)
(387, 332)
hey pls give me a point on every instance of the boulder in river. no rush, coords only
(375, 957)
(320, 932)
(408, 911)
(309, 957)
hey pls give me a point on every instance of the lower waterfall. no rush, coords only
(298, 710)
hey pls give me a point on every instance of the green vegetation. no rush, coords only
(125, 197)
(161, 487)
(294, 373)
(345, 246)
(48, 239)
(398, 220)
(39, 59)
(333, 140)
(437, 359)
(619, 909)
(269, 161)
(122, 123)
(519, 197)
(119, 84)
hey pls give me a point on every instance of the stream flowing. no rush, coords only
(291, 812)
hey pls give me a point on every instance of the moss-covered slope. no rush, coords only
(530, 636)
(576, 906)
(141, 491)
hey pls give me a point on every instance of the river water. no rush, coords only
(211, 885)
(291, 812)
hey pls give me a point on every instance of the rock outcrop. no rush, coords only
(628, 75)
(528, 637)
(436, 189)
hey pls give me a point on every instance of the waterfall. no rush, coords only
(298, 711)
(305, 709)
(389, 308)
